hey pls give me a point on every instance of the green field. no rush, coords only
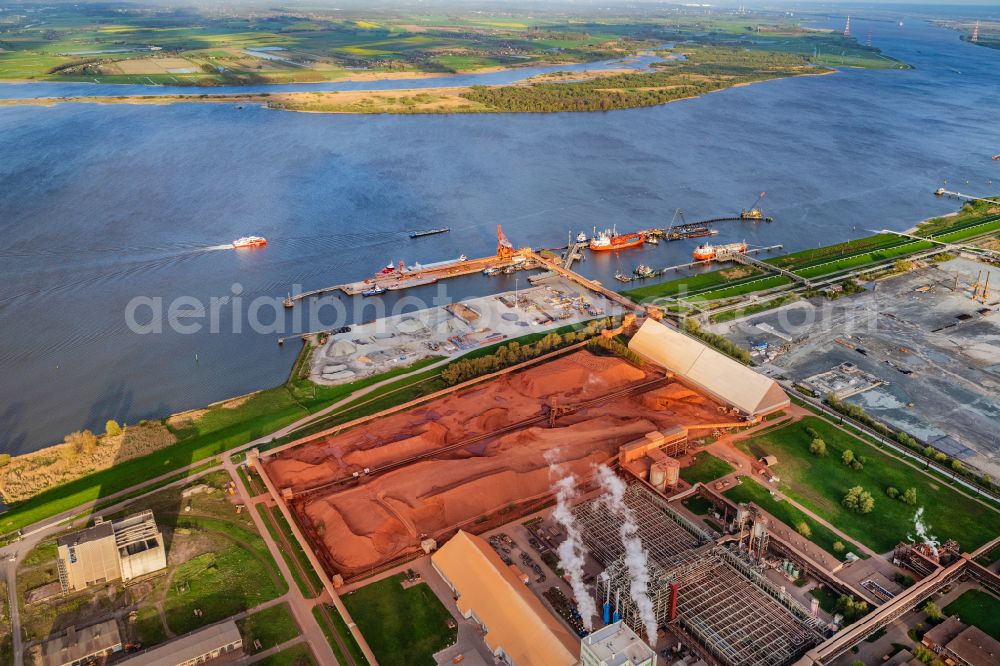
(698, 505)
(336, 625)
(271, 627)
(310, 585)
(820, 484)
(403, 627)
(751, 491)
(978, 608)
(706, 468)
(297, 655)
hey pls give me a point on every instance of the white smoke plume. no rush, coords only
(635, 556)
(923, 536)
(572, 552)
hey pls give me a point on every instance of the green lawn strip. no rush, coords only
(978, 608)
(751, 491)
(271, 627)
(919, 460)
(296, 655)
(752, 309)
(148, 627)
(698, 505)
(760, 284)
(331, 623)
(706, 468)
(307, 592)
(405, 626)
(820, 484)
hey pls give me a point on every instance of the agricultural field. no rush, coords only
(411, 624)
(185, 47)
(821, 482)
(217, 566)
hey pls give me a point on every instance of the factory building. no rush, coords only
(516, 625)
(615, 645)
(958, 643)
(198, 647)
(121, 549)
(82, 646)
(695, 363)
(713, 597)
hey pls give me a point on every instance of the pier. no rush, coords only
(706, 262)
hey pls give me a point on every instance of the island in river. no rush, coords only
(691, 72)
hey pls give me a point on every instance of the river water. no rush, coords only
(101, 204)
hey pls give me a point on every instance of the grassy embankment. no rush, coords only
(270, 627)
(820, 483)
(828, 261)
(411, 624)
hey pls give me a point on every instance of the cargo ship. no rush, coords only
(612, 240)
(429, 232)
(249, 241)
(706, 251)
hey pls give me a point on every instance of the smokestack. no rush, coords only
(607, 598)
(618, 598)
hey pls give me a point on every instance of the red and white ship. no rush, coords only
(249, 241)
(708, 251)
(612, 240)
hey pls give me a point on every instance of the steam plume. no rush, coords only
(635, 557)
(922, 532)
(572, 552)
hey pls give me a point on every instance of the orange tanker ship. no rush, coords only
(611, 240)
(708, 251)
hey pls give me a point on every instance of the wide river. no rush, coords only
(101, 204)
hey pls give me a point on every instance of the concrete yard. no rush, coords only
(453, 330)
(937, 349)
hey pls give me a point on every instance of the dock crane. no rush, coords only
(754, 212)
(505, 250)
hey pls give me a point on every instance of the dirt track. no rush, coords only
(387, 515)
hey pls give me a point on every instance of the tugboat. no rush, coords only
(652, 240)
(491, 271)
(582, 237)
(249, 241)
(374, 290)
(643, 271)
(621, 277)
(611, 240)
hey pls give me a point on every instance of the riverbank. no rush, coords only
(604, 90)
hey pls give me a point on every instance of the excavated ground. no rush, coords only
(386, 515)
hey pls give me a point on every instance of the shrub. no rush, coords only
(893, 493)
(839, 547)
(112, 429)
(803, 529)
(934, 613)
(956, 465)
(847, 457)
(818, 447)
(856, 466)
(858, 500)
(850, 608)
(909, 496)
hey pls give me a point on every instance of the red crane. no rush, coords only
(504, 247)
